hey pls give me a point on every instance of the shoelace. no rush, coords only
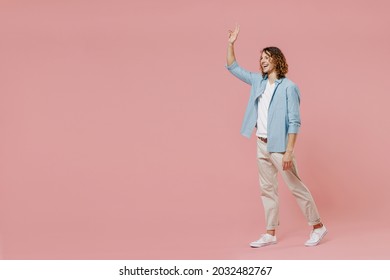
(264, 237)
(315, 234)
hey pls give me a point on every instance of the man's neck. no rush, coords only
(272, 77)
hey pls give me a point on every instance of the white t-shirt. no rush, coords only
(262, 113)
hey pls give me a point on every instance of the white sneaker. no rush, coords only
(265, 239)
(316, 236)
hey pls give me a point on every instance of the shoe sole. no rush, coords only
(315, 244)
(263, 245)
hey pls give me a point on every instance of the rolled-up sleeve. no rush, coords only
(240, 73)
(293, 101)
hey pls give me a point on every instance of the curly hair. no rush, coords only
(277, 57)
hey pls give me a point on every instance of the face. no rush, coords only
(266, 64)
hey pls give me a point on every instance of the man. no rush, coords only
(273, 108)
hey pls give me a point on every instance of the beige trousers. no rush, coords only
(268, 165)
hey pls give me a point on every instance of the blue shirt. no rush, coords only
(283, 112)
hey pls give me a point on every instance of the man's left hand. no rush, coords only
(287, 160)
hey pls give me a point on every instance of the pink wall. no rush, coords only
(120, 127)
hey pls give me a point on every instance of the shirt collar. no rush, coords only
(278, 81)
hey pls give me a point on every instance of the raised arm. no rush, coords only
(231, 63)
(230, 51)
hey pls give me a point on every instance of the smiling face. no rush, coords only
(273, 62)
(266, 63)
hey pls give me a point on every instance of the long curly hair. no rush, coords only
(277, 57)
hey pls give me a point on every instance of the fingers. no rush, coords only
(236, 29)
(286, 165)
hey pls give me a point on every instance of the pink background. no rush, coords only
(120, 128)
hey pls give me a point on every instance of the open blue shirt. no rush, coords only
(283, 112)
